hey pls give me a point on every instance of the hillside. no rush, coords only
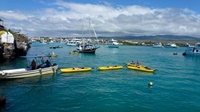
(173, 38)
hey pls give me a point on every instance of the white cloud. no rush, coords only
(65, 19)
(13, 15)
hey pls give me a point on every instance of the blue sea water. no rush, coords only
(176, 85)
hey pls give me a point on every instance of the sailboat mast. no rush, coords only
(89, 28)
(82, 29)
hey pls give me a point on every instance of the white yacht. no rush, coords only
(171, 45)
(74, 42)
(158, 45)
(193, 51)
(113, 43)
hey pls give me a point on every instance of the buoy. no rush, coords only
(2, 101)
(150, 84)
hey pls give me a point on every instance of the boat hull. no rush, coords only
(190, 54)
(26, 72)
(109, 68)
(71, 70)
(92, 50)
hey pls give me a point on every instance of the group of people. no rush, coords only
(137, 63)
(42, 65)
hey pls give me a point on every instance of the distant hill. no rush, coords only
(157, 38)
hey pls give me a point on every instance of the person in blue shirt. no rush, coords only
(48, 64)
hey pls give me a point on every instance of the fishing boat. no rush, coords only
(75, 69)
(192, 50)
(110, 68)
(30, 71)
(141, 68)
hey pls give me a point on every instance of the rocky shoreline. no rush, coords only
(12, 45)
(11, 51)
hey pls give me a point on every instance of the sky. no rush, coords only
(70, 18)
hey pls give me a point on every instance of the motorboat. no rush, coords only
(113, 43)
(158, 45)
(27, 72)
(30, 71)
(171, 45)
(192, 50)
(74, 42)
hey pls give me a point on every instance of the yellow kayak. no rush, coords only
(73, 52)
(141, 68)
(70, 70)
(110, 67)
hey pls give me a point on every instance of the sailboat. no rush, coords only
(86, 47)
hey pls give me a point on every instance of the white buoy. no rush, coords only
(150, 84)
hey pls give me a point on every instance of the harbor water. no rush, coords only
(176, 83)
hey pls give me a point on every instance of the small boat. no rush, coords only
(110, 67)
(73, 52)
(171, 45)
(141, 68)
(113, 43)
(77, 69)
(54, 47)
(74, 42)
(158, 45)
(31, 71)
(192, 50)
(27, 72)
